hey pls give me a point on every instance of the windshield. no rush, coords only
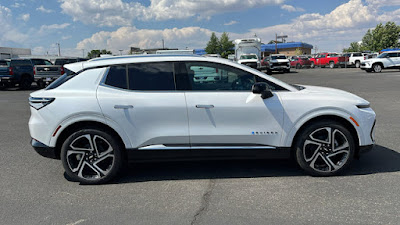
(278, 57)
(383, 55)
(248, 57)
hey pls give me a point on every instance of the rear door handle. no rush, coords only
(205, 106)
(123, 106)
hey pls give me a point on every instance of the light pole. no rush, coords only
(276, 41)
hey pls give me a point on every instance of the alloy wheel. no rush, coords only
(377, 68)
(326, 150)
(90, 157)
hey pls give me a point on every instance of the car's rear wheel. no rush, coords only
(298, 66)
(91, 156)
(25, 83)
(331, 65)
(41, 84)
(357, 64)
(324, 148)
(312, 65)
(377, 68)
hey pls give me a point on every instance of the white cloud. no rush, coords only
(9, 32)
(330, 32)
(17, 5)
(126, 37)
(231, 23)
(47, 28)
(66, 37)
(103, 13)
(44, 10)
(291, 8)
(25, 17)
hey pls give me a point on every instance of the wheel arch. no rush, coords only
(380, 63)
(341, 120)
(81, 125)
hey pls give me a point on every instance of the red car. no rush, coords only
(299, 62)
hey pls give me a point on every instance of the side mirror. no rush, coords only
(263, 89)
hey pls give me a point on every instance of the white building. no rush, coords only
(6, 53)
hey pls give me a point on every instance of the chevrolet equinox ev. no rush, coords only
(107, 111)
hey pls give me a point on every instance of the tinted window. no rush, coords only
(41, 62)
(217, 77)
(393, 54)
(117, 77)
(21, 63)
(68, 74)
(357, 54)
(151, 76)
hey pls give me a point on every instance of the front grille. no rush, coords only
(279, 64)
(252, 65)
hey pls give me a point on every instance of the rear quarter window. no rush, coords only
(117, 77)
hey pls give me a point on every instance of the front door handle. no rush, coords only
(205, 106)
(123, 106)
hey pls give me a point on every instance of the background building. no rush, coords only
(289, 49)
(7, 53)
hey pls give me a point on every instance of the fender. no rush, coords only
(89, 116)
(287, 141)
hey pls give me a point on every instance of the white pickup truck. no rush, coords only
(355, 58)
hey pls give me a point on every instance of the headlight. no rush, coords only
(39, 103)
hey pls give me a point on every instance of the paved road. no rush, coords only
(33, 189)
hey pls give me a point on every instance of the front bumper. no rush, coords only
(44, 150)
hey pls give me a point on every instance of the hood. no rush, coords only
(336, 93)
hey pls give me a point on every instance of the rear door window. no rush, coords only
(151, 76)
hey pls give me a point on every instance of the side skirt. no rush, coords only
(136, 155)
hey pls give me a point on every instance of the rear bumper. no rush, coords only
(44, 150)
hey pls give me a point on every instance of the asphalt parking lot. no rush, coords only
(34, 190)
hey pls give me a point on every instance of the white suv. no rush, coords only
(105, 111)
(386, 60)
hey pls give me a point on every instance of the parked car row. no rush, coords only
(24, 71)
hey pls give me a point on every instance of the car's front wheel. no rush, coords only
(377, 68)
(91, 156)
(324, 148)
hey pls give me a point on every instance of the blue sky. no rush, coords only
(83, 25)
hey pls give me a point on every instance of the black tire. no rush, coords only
(95, 165)
(287, 71)
(298, 66)
(312, 66)
(25, 83)
(318, 158)
(377, 68)
(269, 72)
(331, 65)
(41, 84)
(357, 64)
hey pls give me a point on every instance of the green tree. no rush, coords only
(225, 45)
(213, 45)
(383, 36)
(96, 53)
(354, 47)
(298, 51)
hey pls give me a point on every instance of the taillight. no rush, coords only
(34, 70)
(39, 103)
(216, 70)
(62, 70)
(10, 71)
